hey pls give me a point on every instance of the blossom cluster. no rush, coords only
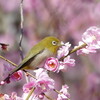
(92, 38)
(53, 64)
(42, 83)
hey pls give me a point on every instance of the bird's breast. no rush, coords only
(40, 58)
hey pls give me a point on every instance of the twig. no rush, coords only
(8, 61)
(73, 50)
(47, 97)
(57, 91)
(22, 31)
(30, 93)
(27, 73)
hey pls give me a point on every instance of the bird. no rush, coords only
(45, 48)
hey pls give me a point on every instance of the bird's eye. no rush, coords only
(54, 43)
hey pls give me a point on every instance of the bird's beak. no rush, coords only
(61, 43)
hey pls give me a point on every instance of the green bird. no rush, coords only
(42, 50)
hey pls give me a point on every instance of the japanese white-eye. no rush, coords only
(44, 49)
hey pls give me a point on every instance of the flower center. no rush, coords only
(93, 37)
(52, 64)
(43, 86)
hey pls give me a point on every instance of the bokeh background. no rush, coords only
(65, 19)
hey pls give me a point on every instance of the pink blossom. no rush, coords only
(64, 50)
(17, 75)
(41, 73)
(42, 83)
(41, 96)
(13, 96)
(69, 62)
(28, 86)
(4, 46)
(92, 37)
(2, 82)
(66, 63)
(51, 64)
(85, 50)
(64, 95)
(14, 77)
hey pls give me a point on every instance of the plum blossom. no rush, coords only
(64, 50)
(52, 64)
(66, 63)
(85, 50)
(17, 76)
(14, 77)
(64, 95)
(55, 65)
(42, 83)
(2, 82)
(92, 37)
(4, 46)
(27, 87)
(69, 62)
(13, 96)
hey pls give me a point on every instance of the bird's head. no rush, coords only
(52, 44)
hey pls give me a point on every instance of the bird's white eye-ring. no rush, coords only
(54, 42)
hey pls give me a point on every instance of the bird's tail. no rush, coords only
(7, 79)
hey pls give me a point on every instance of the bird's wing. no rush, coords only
(31, 55)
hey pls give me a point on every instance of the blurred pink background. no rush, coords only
(65, 19)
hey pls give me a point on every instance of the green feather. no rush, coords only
(44, 45)
(29, 57)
